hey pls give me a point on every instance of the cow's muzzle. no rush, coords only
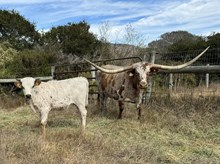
(28, 98)
(143, 84)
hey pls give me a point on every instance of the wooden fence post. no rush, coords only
(150, 79)
(170, 83)
(52, 71)
(93, 73)
(207, 78)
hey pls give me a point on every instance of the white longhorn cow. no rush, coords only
(44, 96)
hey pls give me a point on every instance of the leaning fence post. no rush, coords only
(150, 79)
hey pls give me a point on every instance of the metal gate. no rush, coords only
(86, 70)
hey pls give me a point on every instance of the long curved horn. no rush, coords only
(110, 71)
(179, 66)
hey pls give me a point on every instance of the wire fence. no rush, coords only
(162, 83)
(187, 83)
(212, 57)
(181, 83)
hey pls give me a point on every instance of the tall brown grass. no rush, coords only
(176, 129)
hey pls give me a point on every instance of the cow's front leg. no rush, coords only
(121, 108)
(83, 113)
(139, 103)
(139, 110)
(102, 102)
(44, 117)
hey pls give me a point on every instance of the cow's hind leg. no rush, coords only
(121, 108)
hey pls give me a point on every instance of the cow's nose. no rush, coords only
(28, 96)
(143, 83)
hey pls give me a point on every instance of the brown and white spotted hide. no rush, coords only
(126, 86)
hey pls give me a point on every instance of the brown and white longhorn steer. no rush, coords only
(127, 83)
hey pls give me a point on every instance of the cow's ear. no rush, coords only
(37, 82)
(131, 73)
(18, 84)
(154, 70)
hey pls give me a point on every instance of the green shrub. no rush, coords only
(31, 63)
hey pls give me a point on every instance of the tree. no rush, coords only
(104, 32)
(187, 44)
(74, 39)
(7, 54)
(214, 40)
(35, 62)
(18, 31)
(173, 39)
(133, 43)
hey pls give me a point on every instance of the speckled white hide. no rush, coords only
(56, 94)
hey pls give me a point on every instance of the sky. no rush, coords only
(142, 21)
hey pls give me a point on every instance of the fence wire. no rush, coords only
(212, 57)
(188, 83)
(181, 83)
(161, 84)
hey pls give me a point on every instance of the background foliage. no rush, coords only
(26, 51)
(74, 38)
(17, 30)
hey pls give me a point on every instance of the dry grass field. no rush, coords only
(172, 130)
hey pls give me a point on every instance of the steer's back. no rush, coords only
(119, 85)
(111, 84)
(59, 93)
